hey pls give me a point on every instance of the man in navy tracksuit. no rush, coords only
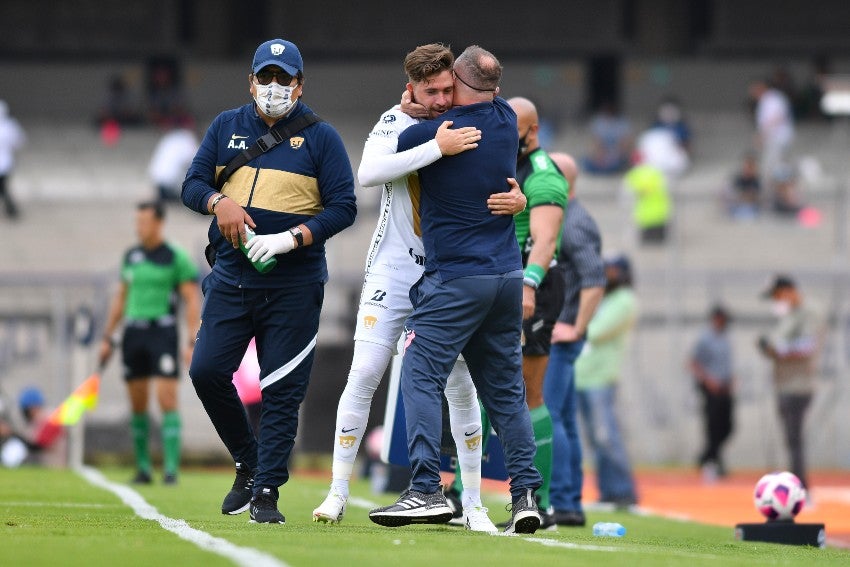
(469, 300)
(294, 196)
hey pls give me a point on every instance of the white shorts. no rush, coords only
(384, 307)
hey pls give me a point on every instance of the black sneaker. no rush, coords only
(547, 516)
(264, 509)
(524, 516)
(573, 518)
(239, 498)
(142, 477)
(169, 479)
(455, 504)
(413, 507)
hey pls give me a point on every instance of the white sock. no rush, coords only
(367, 368)
(465, 418)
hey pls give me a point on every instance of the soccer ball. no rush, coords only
(779, 496)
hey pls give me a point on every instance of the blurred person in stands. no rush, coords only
(611, 141)
(155, 276)
(165, 98)
(598, 370)
(647, 185)
(670, 116)
(711, 366)
(793, 346)
(50, 452)
(12, 138)
(172, 156)
(774, 126)
(581, 260)
(786, 190)
(118, 107)
(743, 197)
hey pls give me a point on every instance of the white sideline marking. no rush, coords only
(243, 556)
(362, 503)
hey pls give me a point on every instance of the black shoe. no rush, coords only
(264, 509)
(239, 498)
(569, 518)
(169, 479)
(547, 519)
(413, 507)
(142, 477)
(525, 518)
(454, 502)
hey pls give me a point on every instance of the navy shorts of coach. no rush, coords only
(285, 322)
(478, 316)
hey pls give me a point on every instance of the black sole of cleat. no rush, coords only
(390, 521)
(527, 525)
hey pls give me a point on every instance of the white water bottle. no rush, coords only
(609, 529)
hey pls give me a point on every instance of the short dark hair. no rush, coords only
(480, 68)
(156, 206)
(428, 60)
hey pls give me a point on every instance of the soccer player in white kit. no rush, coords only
(395, 262)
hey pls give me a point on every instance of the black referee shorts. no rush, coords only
(150, 351)
(549, 300)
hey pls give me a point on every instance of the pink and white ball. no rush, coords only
(779, 496)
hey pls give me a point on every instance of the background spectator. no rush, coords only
(711, 365)
(12, 138)
(172, 156)
(611, 141)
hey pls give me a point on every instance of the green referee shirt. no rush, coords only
(152, 278)
(543, 184)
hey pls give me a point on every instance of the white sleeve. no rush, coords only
(381, 164)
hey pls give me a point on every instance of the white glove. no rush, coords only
(263, 246)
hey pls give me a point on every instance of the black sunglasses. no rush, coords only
(265, 77)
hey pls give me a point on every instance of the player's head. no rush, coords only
(149, 218)
(527, 124)
(429, 76)
(276, 80)
(783, 293)
(568, 167)
(477, 73)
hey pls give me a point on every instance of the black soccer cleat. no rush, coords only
(264, 509)
(239, 498)
(413, 507)
(142, 477)
(524, 516)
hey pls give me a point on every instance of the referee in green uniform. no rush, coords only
(153, 274)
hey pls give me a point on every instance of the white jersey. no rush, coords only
(396, 249)
(396, 257)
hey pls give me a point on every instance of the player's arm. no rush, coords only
(192, 307)
(381, 163)
(511, 203)
(545, 226)
(113, 318)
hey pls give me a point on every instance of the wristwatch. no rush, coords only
(297, 235)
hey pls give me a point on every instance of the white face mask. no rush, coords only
(780, 308)
(273, 99)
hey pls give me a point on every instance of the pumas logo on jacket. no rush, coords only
(237, 142)
(295, 142)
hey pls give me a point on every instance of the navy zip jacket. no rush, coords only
(306, 179)
(460, 234)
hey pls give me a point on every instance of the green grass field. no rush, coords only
(58, 518)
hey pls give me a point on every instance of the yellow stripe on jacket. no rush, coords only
(274, 190)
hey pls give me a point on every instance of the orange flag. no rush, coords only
(71, 410)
